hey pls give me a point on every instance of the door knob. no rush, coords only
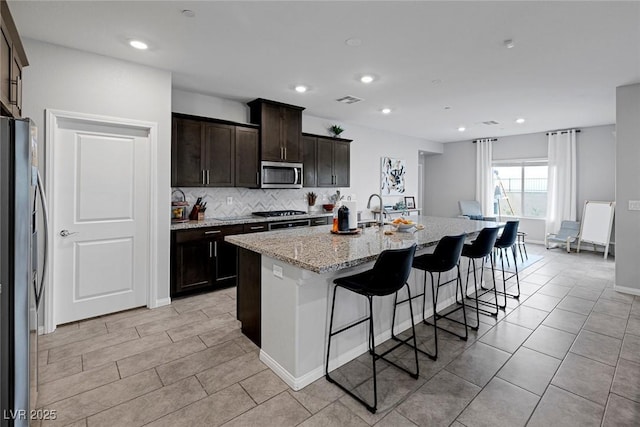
(65, 233)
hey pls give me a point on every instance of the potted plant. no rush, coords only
(336, 130)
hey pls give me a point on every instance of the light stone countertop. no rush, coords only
(317, 249)
(243, 219)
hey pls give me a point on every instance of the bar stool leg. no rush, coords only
(434, 295)
(373, 408)
(326, 367)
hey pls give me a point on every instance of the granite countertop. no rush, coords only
(243, 219)
(318, 250)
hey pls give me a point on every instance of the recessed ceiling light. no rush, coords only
(509, 43)
(301, 88)
(367, 78)
(138, 44)
(187, 13)
(520, 120)
(436, 81)
(386, 110)
(461, 129)
(447, 108)
(353, 42)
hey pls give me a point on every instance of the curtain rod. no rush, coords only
(490, 139)
(563, 131)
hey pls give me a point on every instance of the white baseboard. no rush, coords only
(161, 302)
(626, 290)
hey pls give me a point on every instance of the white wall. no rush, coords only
(627, 188)
(76, 81)
(450, 177)
(368, 146)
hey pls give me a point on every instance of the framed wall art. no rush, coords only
(392, 180)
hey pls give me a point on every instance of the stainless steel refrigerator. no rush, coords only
(22, 209)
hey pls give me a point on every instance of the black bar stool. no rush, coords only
(388, 275)
(445, 257)
(508, 241)
(481, 248)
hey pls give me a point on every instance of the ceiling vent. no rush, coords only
(349, 99)
(490, 122)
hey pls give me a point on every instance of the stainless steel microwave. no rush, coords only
(281, 175)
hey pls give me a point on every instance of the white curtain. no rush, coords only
(484, 177)
(561, 182)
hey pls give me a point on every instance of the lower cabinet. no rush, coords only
(202, 261)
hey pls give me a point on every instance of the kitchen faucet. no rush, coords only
(382, 209)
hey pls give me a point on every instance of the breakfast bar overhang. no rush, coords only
(286, 282)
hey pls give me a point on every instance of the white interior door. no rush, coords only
(100, 202)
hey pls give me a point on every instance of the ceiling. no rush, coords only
(566, 62)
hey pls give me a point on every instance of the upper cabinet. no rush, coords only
(280, 130)
(212, 153)
(326, 161)
(12, 60)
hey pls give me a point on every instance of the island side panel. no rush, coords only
(249, 310)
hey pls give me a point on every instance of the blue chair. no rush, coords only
(388, 275)
(568, 233)
(471, 209)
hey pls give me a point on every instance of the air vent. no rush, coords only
(349, 99)
(490, 122)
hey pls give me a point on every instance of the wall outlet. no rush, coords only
(277, 271)
(229, 200)
(634, 205)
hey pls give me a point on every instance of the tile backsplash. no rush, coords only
(245, 200)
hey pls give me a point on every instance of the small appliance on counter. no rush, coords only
(179, 208)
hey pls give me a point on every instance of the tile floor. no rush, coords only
(566, 354)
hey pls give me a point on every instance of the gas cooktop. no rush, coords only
(278, 213)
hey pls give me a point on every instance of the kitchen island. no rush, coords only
(286, 282)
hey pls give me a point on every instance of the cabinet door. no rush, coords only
(324, 163)
(16, 87)
(271, 133)
(219, 142)
(247, 158)
(226, 261)
(193, 265)
(187, 153)
(6, 61)
(309, 161)
(341, 163)
(292, 128)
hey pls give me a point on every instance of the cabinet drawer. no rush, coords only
(255, 227)
(320, 221)
(207, 233)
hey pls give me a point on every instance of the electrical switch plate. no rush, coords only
(277, 271)
(229, 200)
(634, 205)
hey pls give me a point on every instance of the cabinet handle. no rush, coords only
(215, 249)
(258, 178)
(285, 153)
(258, 228)
(212, 232)
(203, 182)
(281, 153)
(208, 182)
(16, 83)
(210, 249)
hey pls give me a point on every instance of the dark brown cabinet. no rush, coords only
(280, 130)
(247, 158)
(326, 161)
(12, 60)
(210, 153)
(201, 260)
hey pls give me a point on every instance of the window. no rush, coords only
(520, 188)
